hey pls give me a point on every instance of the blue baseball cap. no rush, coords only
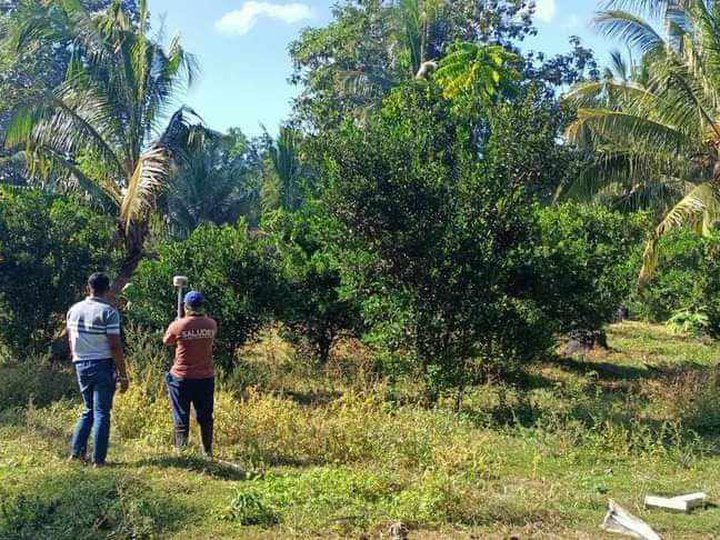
(194, 298)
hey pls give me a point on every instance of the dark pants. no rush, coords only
(96, 379)
(199, 392)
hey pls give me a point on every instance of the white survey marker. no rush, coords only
(682, 503)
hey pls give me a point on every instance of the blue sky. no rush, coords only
(242, 49)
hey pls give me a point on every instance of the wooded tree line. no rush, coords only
(454, 202)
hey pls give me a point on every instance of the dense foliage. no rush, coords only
(48, 247)
(313, 307)
(432, 226)
(590, 259)
(410, 200)
(689, 284)
(95, 132)
(449, 246)
(651, 127)
(222, 262)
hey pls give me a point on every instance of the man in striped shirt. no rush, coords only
(94, 329)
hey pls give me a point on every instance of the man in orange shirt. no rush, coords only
(192, 377)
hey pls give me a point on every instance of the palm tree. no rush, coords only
(214, 186)
(420, 32)
(284, 171)
(416, 36)
(655, 129)
(104, 130)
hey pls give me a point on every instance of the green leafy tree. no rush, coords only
(48, 246)
(230, 269)
(347, 67)
(440, 242)
(93, 133)
(656, 132)
(315, 306)
(587, 258)
(687, 285)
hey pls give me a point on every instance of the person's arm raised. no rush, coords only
(170, 337)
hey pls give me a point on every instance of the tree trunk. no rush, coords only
(133, 239)
(324, 345)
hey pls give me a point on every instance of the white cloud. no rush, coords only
(242, 20)
(572, 22)
(545, 10)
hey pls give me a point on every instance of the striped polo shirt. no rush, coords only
(89, 323)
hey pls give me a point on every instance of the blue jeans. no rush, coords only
(183, 392)
(97, 386)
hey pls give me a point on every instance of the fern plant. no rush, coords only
(689, 322)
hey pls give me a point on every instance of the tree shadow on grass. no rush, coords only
(216, 469)
(604, 370)
(313, 398)
(88, 504)
(609, 371)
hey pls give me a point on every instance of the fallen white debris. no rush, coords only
(682, 503)
(618, 520)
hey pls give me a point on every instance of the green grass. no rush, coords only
(323, 455)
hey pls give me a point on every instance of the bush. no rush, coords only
(35, 381)
(447, 253)
(248, 508)
(687, 283)
(227, 266)
(48, 246)
(313, 306)
(590, 260)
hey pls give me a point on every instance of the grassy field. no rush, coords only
(339, 454)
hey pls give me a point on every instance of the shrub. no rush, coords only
(48, 246)
(446, 253)
(248, 508)
(693, 323)
(313, 306)
(230, 270)
(34, 380)
(588, 260)
(687, 282)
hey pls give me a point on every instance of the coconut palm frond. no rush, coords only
(618, 68)
(184, 135)
(626, 129)
(66, 176)
(631, 29)
(151, 174)
(653, 9)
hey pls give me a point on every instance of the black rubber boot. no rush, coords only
(182, 433)
(206, 434)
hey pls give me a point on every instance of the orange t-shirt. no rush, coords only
(194, 336)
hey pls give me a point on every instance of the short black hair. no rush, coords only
(99, 283)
